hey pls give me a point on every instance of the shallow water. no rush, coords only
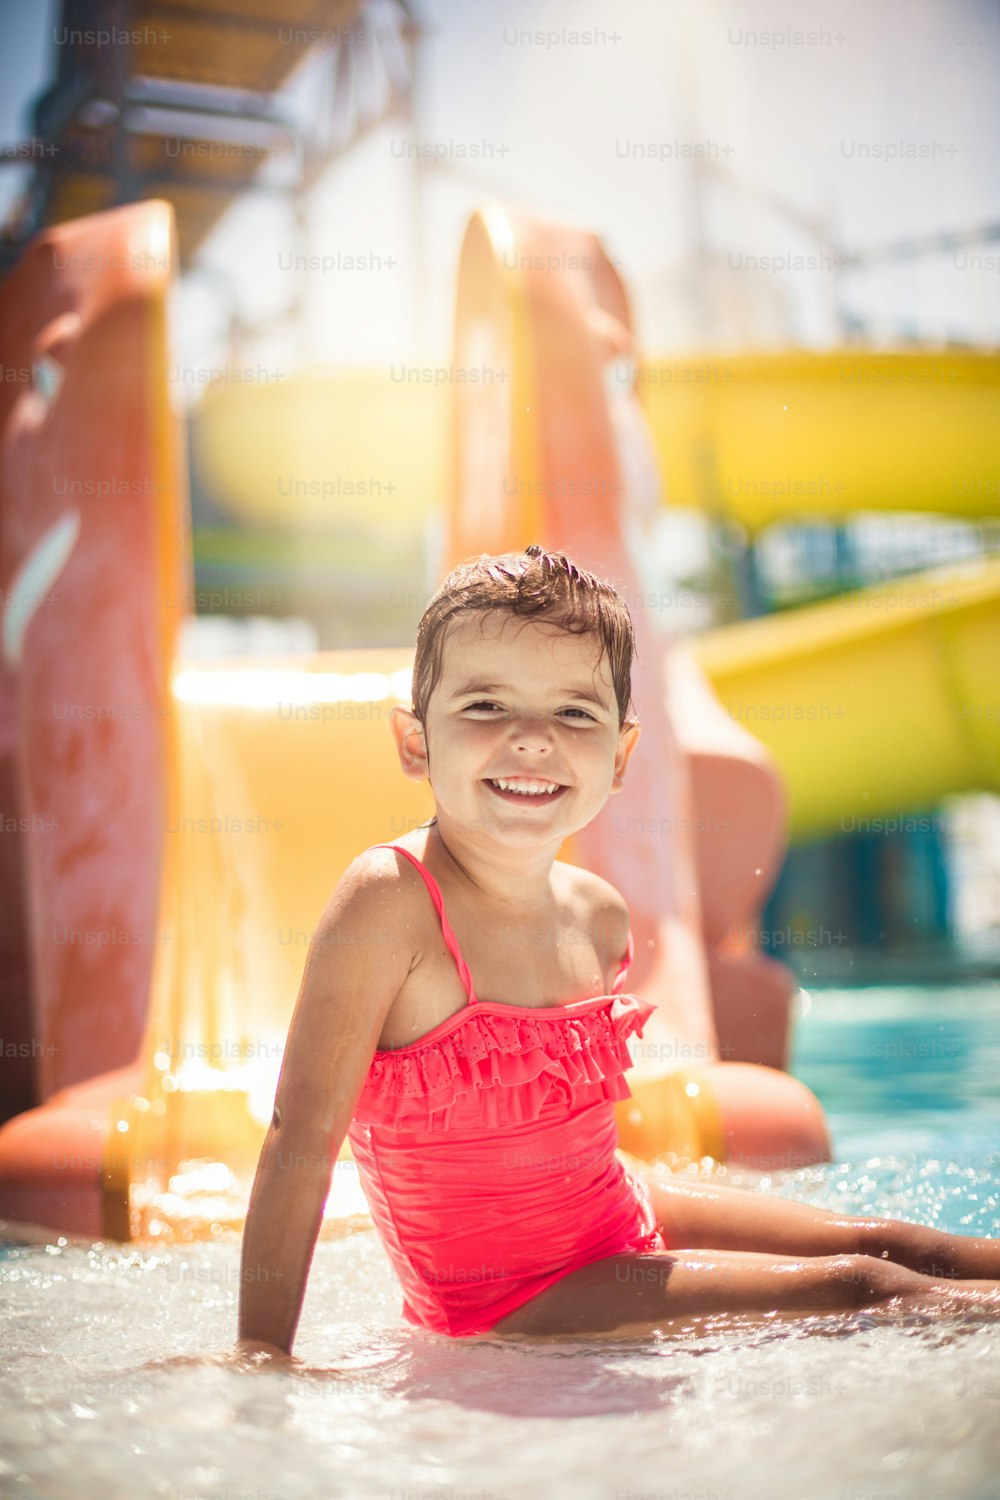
(832, 1408)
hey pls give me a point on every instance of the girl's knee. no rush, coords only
(913, 1245)
(874, 1279)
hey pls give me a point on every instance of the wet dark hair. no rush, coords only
(534, 584)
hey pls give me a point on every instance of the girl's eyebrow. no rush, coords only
(505, 687)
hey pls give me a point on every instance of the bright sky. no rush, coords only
(878, 120)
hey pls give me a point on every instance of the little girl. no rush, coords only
(483, 1128)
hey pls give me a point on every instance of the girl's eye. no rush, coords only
(485, 705)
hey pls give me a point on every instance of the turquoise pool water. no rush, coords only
(848, 1408)
(905, 1070)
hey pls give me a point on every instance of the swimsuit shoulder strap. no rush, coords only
(624, 964)
(450, 940)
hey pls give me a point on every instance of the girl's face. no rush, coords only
(518, 701)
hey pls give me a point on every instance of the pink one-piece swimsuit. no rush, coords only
(486, 1149)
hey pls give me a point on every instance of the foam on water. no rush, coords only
(852, 1408)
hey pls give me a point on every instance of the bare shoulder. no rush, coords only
(377, 887)
(598, 895)
(602, 906)
(364, 946)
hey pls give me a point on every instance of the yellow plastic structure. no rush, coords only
(876, 705)
(757, 438)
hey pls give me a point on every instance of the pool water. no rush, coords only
(846, 1408)
(918, 1071)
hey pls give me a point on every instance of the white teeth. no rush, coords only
(528, 788)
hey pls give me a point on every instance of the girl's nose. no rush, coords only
(532, 732)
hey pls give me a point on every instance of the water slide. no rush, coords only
(163, 869)
(807, 434)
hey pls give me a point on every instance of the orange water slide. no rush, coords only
(95, 575)
(696, 836)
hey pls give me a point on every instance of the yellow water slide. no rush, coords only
(754, 438)
(876, 705)
(795, 435)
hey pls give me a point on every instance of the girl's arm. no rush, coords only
(359, 957)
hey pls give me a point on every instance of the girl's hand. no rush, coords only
(246, 1354)
(256, 1354)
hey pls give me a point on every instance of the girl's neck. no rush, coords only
(513, 878)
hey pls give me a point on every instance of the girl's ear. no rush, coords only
(627, 741)
(411, 744)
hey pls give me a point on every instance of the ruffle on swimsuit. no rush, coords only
(563, 1049)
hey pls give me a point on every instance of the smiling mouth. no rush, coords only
(529, 798)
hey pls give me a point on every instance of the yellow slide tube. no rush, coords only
(758, 438)
(875, 705)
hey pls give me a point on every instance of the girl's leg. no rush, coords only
(699, 1215)
(635, 1294)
